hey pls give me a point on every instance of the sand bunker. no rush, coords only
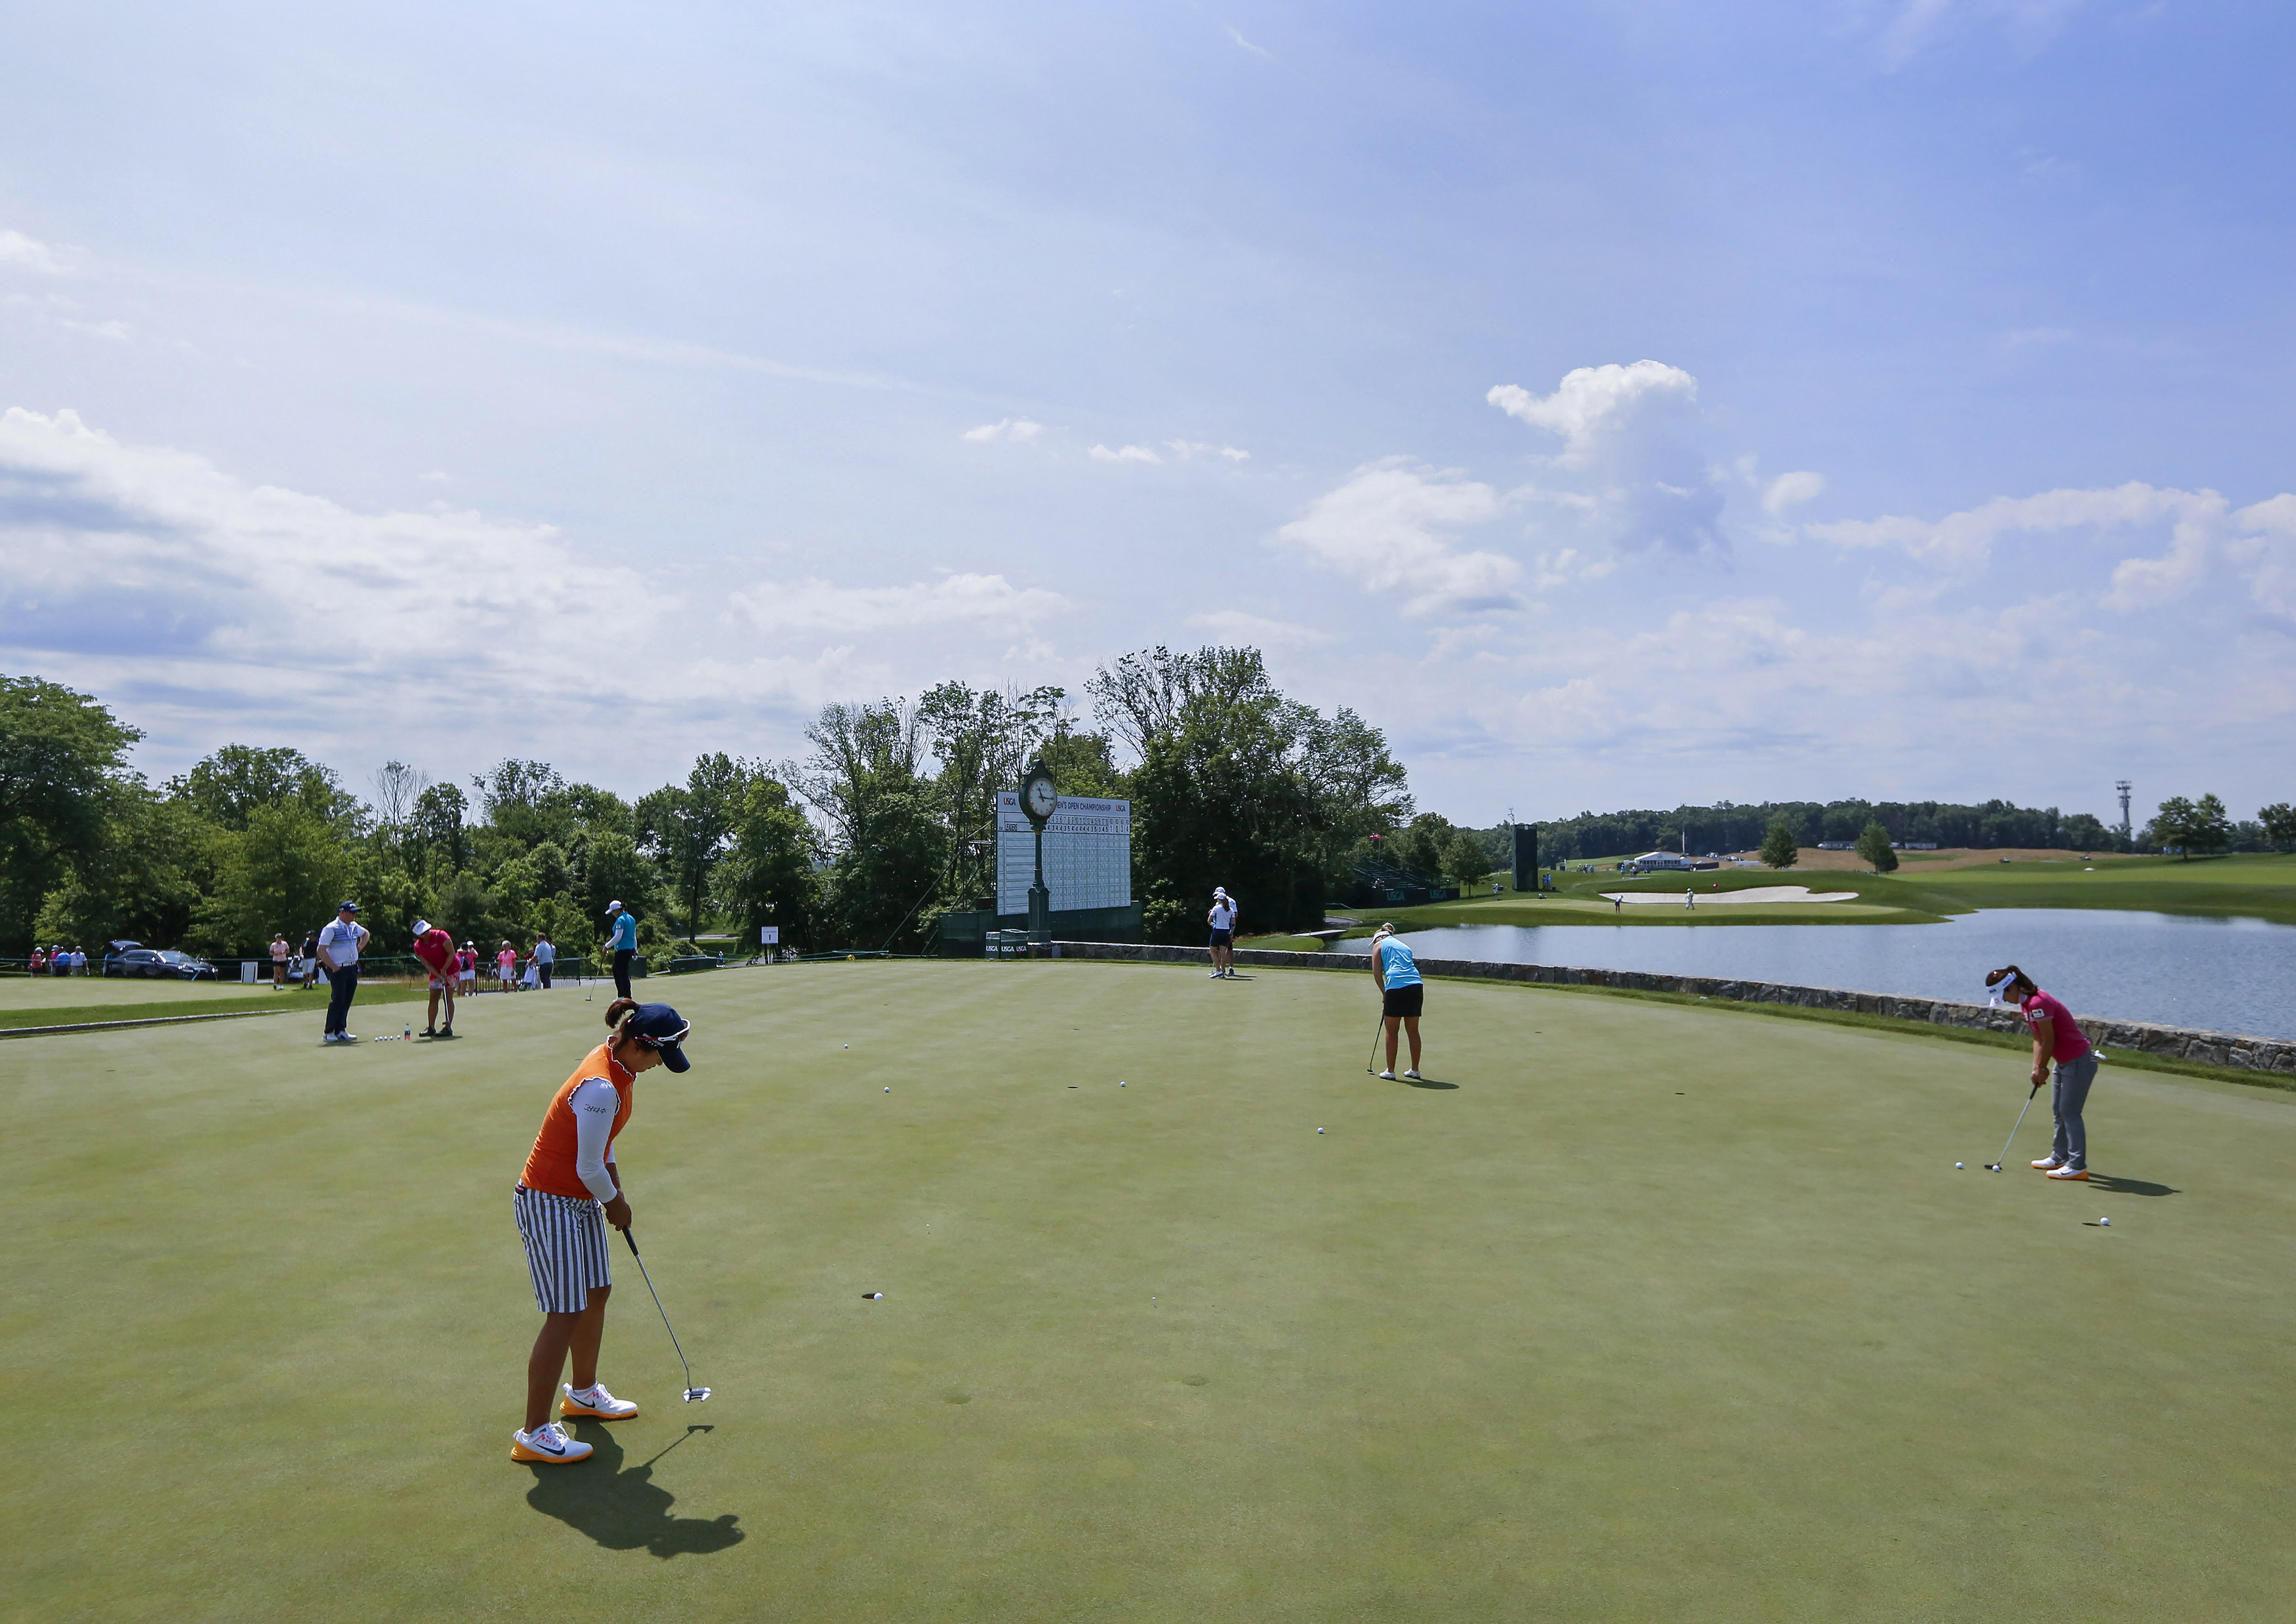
(1757, 893)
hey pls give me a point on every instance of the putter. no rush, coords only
(694, 1395)
(1371, 1065)
(1995, 1167)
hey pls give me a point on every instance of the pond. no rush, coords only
(2226, 975)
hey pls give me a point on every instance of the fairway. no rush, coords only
(1637, 1312)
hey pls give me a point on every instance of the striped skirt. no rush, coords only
(565, 1248)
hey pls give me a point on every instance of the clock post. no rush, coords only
(1039, 796)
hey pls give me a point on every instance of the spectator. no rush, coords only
(506, 967)
(467, 969)
(279, 954)
(545, 954)
(310, 958)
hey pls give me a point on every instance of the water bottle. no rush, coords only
(409, 1034)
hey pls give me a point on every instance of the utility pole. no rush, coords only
(2123, 786)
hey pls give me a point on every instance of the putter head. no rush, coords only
(695, 1395)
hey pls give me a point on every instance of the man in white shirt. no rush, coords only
(340, 945)
(545, 954)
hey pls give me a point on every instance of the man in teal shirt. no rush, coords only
(623, 944)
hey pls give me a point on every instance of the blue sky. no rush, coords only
(1619, 403)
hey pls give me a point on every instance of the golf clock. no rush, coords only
(1038, 795)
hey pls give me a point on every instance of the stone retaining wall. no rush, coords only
(2175, 1041)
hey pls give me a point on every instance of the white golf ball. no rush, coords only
(1319, 1130)
(2104, 1220)
(888, 1088)
(1956, 1164)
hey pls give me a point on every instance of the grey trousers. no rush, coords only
(2067, 1095)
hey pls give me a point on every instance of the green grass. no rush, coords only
(2247, 885)
(73, 1001)
(1655, 1312)
(2254, 886)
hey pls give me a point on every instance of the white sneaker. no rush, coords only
(548, 1444)
(1387, 1077)
(597, 1403)
(1414, 1073)
(1215, 975)
(2050, 1162)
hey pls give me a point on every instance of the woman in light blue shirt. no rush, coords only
(1402, 991)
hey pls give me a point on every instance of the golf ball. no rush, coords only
(888, 1088)
(2104, 1220)
(1956, 1164)
(1319, 1130)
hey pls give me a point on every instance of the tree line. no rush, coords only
(2196, 826)
(888, 822)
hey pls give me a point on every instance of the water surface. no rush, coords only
(2226, 975)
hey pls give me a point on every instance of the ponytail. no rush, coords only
(619, 1014)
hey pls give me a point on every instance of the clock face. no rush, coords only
(1040, 796)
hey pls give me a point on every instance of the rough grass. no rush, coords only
(1646, 1312)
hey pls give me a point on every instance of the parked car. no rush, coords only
(167, 962)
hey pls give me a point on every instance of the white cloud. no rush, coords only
(1914, 26)
(1629, 447)
(21, 253)
(1595, 402)
(1186, 449)
(1791, 490)
(2269, 553)
(1382, 529)
(816, 605)
(1236, 35)
(1235, 625)
(1963, 542)
(114, 331)
(1016, 429)
(1127, 454)
(207, 607)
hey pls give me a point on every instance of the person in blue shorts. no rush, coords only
(1222, 920)
(1403, 992)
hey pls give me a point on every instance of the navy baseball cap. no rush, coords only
(662, 1029)
(347, 908)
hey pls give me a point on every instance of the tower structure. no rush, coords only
(2121, 786)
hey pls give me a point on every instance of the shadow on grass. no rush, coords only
(622, 1509)
(2127, 1186)
(1424, 1082)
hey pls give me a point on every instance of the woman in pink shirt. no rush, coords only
(2057, 1038)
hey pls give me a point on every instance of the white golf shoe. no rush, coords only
(597, 1403)
(1414, 1075)
(549, 1444)
(2050, 1162)
(1387, 1077)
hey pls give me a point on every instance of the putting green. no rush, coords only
(1643, 1313)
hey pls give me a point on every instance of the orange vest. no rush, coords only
(550, 1165)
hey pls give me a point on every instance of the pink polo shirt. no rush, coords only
(2044, 1007)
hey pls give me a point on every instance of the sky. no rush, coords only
(1627, 404)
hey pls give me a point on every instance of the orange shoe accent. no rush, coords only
(519, 1452)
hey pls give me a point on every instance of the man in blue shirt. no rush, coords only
(623, 944)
